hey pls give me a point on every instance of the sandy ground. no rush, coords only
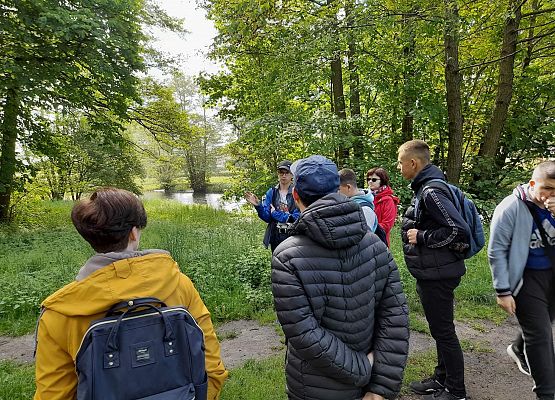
(490, 373)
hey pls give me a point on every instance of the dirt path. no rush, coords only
(490, 374)
(240, 340)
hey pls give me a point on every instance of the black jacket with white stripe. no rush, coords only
(443, 233)
(338, 296)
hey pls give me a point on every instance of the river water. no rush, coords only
(210, 199)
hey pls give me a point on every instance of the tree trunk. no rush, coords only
(339, 101)
(409, 98)
(8, 156)
(354, 97)
(453, 80)
(530, 47)
(489, 146)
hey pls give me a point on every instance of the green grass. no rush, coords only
(419, 366)
(17, 382)
(254, 380)
(218, 251)
(257, 380)
(208, 244)
(216, 184)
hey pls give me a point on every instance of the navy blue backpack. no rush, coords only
(467, 210)
(143, 353)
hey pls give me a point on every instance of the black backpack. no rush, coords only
(466, 208)
(145, 353)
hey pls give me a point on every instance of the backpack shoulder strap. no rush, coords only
(430, 184)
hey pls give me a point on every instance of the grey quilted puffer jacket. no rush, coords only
(338, 296)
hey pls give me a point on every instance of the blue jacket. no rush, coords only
(272, 218)
(509, 241)
(365, 199)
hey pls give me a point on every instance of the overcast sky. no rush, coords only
(194, 46)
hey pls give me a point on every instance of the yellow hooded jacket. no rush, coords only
(68, 312)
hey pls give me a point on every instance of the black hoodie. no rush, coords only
(443, 234)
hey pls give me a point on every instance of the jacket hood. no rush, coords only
(430, 171)
(114, 282)
(364, 196)
(387, 191)
(334, 222)
(521, 192)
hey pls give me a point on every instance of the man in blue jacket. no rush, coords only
(435, 237)
(522, 256)
(277, 207)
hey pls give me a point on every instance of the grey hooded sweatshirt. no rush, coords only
(509, 241)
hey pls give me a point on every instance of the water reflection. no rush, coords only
(211, 199)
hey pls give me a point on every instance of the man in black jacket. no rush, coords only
(338, 296)
(435, 236)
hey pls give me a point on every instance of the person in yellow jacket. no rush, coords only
(111, 221)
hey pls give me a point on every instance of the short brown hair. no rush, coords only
(382, 174)
(347, 177)
(545, 170)
(416, 148)
(106, 219)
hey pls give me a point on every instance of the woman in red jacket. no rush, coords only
(385, 202)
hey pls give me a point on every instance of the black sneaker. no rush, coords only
(443, 394)
(426, 386)
(545, 396)
(519, 358)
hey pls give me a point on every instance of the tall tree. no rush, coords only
(453, 81)
(504, 95)
(78, 54)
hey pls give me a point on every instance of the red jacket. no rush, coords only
(385, 207)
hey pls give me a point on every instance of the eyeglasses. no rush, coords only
(373, 179)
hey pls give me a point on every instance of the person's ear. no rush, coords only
(532, 184)
(295, 195)
(134, 234)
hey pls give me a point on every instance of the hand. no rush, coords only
(411, 235)
(549, 204)
(372, 396)
(251, 198)
(507, 303)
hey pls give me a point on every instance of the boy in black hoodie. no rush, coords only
(435, 237)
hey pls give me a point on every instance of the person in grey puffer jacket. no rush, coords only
(338, 297)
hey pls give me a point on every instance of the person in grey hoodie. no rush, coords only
(523, 272)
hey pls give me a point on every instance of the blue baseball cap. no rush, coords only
(315, 176)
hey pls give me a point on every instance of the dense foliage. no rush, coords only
(354, 79)
(66, 57)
